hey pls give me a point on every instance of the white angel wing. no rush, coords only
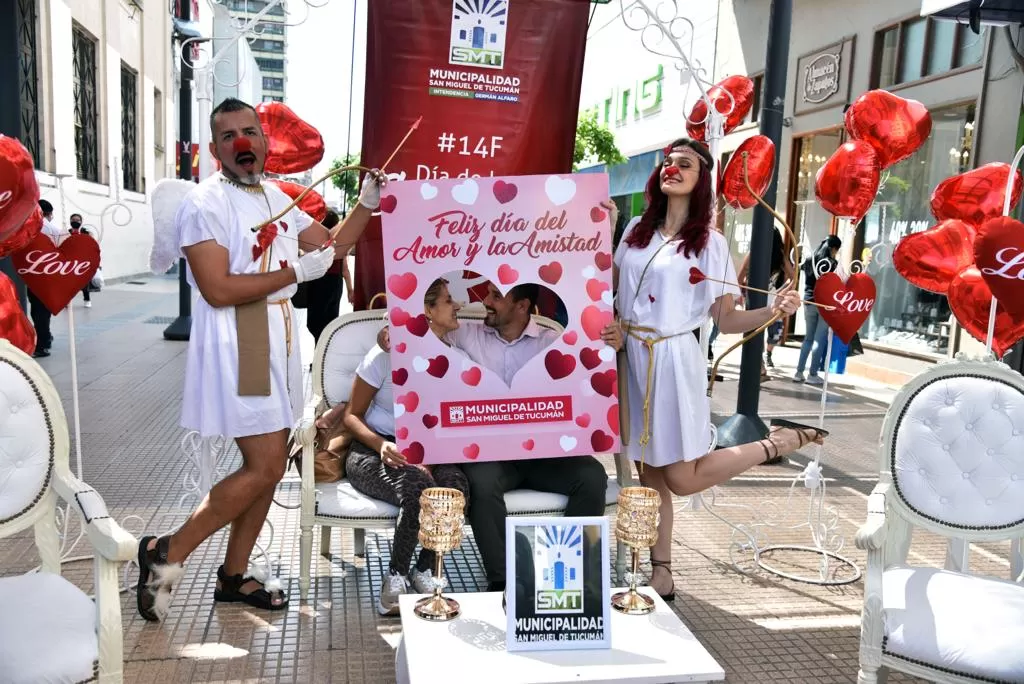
(168, 195)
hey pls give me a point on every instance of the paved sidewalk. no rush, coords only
(758, 626)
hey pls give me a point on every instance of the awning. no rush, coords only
(631, 177)
(995, 12)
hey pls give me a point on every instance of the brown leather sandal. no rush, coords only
(671, 595)
(156, 579)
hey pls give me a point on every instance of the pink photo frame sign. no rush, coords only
(548, 230)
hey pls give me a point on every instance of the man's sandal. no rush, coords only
(156, 579)
(231, 591)
(801, 430)
(671, 595)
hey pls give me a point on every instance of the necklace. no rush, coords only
(254, 189)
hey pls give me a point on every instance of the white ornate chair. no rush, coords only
(50, 630)
(342, 346)
(952, 463)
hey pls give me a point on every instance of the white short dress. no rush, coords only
(680, 413)
(221, 211)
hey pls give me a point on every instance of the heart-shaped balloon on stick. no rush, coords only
(853, 301)
(56, 274)
(977, 195)
(894, 126)
(25, 235)
(759, 160)
(14, 325)
(846, 185)
(19, 192)
(732, 98)
(312, 203)
(931, 259)
(293, 146)
(970, 300)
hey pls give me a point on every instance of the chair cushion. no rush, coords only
(958, 454)
(26, 444)
(964, 624)
(47, 630)
(342, 500)
(344, 349)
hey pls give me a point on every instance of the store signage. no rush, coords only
(628, 103)
(824, 77)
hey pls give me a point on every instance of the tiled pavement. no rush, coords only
(759, 627)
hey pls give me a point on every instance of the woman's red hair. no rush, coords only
(695, 231)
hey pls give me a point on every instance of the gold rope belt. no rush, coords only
(286, 311)
(650, 338)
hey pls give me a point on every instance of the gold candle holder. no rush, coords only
(441, 518)
(636, 526)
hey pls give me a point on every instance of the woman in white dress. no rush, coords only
(669, 412)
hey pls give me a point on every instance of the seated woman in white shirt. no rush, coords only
(376, 468)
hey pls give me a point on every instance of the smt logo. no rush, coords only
(558, 569)
(478, 33)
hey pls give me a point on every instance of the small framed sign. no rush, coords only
(559, 583)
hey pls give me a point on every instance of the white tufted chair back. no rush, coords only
(347, 339)
(953, 446)
(33, 438)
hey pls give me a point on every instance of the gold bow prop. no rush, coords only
(778, 315)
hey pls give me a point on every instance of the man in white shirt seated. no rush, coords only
(507, 340)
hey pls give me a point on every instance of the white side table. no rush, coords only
(471, 648)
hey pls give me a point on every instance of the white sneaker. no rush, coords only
(392, 587)
(799, 377)
(815, 380)
(88, 305)
(422, 581)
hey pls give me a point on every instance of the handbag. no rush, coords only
(96, 284)
(330, 449)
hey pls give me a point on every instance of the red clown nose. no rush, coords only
(671, 171)
(241, 145)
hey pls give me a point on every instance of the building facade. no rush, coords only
(269, 43)
(237, 73)
(94, 92)
(971, 84)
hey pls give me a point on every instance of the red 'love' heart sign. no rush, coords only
(999, 255)
(853, 301)
(56, 274)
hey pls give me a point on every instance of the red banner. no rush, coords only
(497, 83)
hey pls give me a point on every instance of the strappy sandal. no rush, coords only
(671, 595)
(231, 591)
(799, 428)
(156, 579)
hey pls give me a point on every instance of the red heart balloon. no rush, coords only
(999, 256)
(313, 203)
(14, 324)
(977, 195)
(56, 274)
(847, 183)
(19, 192)
(853, 301)
(970, 301)
(760, 151)
(931, 259)
(293, 146)
(22, 237)
(894, 126)
(734, 108)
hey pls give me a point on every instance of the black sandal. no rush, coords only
(801, 430)
(230, 592)
(156, 579)
(670, 596)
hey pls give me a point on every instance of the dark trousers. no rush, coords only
(581, 478)
(40, 321)
(323, 300)
(85, 292)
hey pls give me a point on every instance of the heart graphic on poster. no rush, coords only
(606, 383)
(414, 453)
(595, 288)
(594, 320)
(388, 203)
(853, 301)
(507, 275)
(429, 421)
(428, 191)
(402, 285)
(567, 443)
(56, 274)
(597, 214)
(590, 358)
(613, 418)
(559, 365)
(471, 452)
(466, 192)
(438, 366)
(528, 445)
(601, 441)
(970, 300)
(504, 192)
(559, 190)
(472, 376)
(570, 337)
(550, 273)
(399, 376)
(603, 260)
(999, 256)
(583, 420)
(14, 324)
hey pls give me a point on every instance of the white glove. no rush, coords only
(313, 265)
(369, 194)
